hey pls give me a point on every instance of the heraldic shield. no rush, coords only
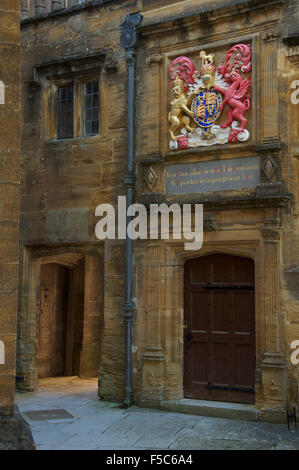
(206, 107)
(200, 96)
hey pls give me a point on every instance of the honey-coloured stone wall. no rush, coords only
(63, 181)
(9, 195)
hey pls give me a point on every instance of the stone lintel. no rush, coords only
(213, 11)
(179, 155)
(73, 65)
(219, 202)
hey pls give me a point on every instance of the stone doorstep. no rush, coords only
(216, 409)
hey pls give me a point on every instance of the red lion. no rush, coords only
(237, 94)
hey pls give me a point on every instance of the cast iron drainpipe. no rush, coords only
(128, 40)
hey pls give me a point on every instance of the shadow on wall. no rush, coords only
(292, 281)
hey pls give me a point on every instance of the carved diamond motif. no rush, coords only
(269, 167)
(151, 178)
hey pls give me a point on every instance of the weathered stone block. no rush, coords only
(86, 154)
(33, 227)
(7, 387)
(8, 312)
(9, 240)
(67, 225)
(8, 277)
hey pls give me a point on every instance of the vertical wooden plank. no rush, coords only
(52, 320)
(59, 320)
(45, 321)
(75, 320)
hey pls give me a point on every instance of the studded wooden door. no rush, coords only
(219, 329)
(52, 320)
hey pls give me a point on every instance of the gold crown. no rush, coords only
(208, 69)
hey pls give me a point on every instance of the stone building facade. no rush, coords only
(212, 324)
(9, 196)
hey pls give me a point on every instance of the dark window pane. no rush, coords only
(88, 101)
(65, 112)
(89, 88)
(95, 114)
(95, 87)
(88, 127)
(96, 100)
(95, 127)
(91, 108)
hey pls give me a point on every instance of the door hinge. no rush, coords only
(224, 287)
(228, 388)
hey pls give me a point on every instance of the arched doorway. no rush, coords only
(219, 329)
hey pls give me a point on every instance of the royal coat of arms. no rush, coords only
(200, 97)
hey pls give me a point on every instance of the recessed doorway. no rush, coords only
(219, 329)
(60, 324)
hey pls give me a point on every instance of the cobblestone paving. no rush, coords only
(101, 425)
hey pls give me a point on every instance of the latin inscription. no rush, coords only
(216, 175)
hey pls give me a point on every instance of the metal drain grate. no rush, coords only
(44, 415)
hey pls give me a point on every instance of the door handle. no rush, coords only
(189, 336)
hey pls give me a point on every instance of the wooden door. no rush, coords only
(75, 325)
(52, 320)
(219, 329)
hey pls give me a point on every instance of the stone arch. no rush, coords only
(174, 308)
(225, 250)
(69, 257)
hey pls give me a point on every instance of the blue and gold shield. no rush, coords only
(205, 107)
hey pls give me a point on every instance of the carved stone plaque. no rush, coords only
(216, 175)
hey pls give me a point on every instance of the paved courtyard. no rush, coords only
(66, 414)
